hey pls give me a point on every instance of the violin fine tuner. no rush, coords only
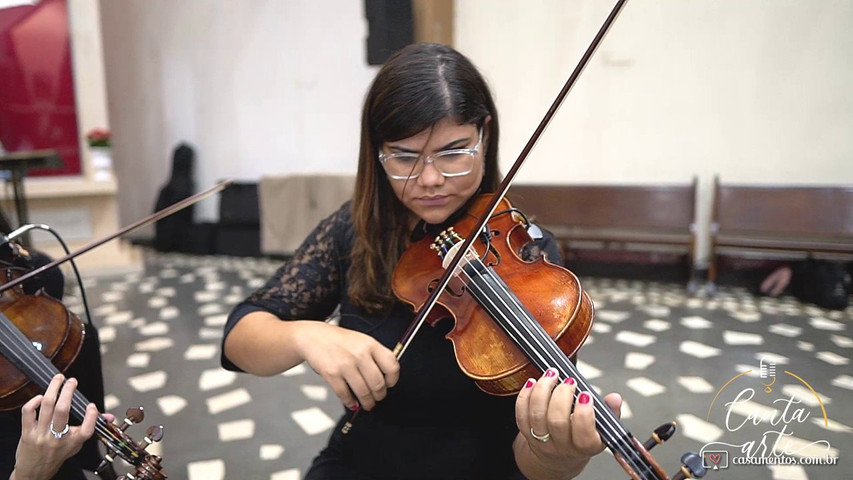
(691, 467)
(148, 468)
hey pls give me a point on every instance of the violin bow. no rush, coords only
(430, 302)
(159, 215)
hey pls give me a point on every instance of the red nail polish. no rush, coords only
(583, 398)
(529, 384)
(550, 373)
(569, 381)
(354, 408)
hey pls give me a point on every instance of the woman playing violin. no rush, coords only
(429, 145)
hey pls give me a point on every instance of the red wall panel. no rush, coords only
(37, 104)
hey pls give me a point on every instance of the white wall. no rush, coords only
(257, 87)
(756, 91)
(752, 90)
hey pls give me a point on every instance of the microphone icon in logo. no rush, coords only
(767, 370)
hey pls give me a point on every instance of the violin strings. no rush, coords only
(605, 422)
(512, 330)
(520, 318)
(16, 346)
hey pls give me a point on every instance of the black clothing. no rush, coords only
(435, 423)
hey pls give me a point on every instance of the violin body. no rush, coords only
(53, 329)
(550, 293)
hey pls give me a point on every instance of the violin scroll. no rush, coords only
(146, 466)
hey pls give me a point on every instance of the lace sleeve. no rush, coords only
(309, 285)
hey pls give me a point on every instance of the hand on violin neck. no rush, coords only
(357, 367)
(47, 440)
(556, 423)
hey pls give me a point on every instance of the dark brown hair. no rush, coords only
(416, 88)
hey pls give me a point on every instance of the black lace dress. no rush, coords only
(435, 423)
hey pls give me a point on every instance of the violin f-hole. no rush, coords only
(449, 289)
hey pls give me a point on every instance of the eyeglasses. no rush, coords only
(450, 163)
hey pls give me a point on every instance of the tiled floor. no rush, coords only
(670, 355)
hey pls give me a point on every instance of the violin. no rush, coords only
(513, 319)
(494, 302)
(40, 337)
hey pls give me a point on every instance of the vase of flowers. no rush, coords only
(101, 157)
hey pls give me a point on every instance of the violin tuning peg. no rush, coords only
(152, 435)
(660, 435)
(132, 416)
(155, 433)
(691, 467)
(103, 467)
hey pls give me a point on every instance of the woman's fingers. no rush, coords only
(614, 401)
(87, 428)
(522, 406)
(540, 398)
(358, 368)
(359, 386)
(62, 409)
(584, 435)
(388, 364)
(28, 414)
(534, 408)
(557, 419)
(48, 403)
(343, 392)
(560, 414)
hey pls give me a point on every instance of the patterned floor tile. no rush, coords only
(148, 381)
(206, 470)
(634, 338)
(138, 360)
(215, 378)
(732, 337)
(645, 386)
(696, 322)
(271, 452)
(690, 365)
(290, 474)
(236, 430)
(226, 401)
(698, 350)
(638, 361)
(312, 420)
(696, 384)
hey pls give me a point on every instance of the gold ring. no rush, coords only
(541, 438)
(57, 435)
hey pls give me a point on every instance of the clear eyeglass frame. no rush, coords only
(415, 169)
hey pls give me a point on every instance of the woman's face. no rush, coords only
(432, 196)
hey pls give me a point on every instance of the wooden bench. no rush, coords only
(649, 218)
(780, 222)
